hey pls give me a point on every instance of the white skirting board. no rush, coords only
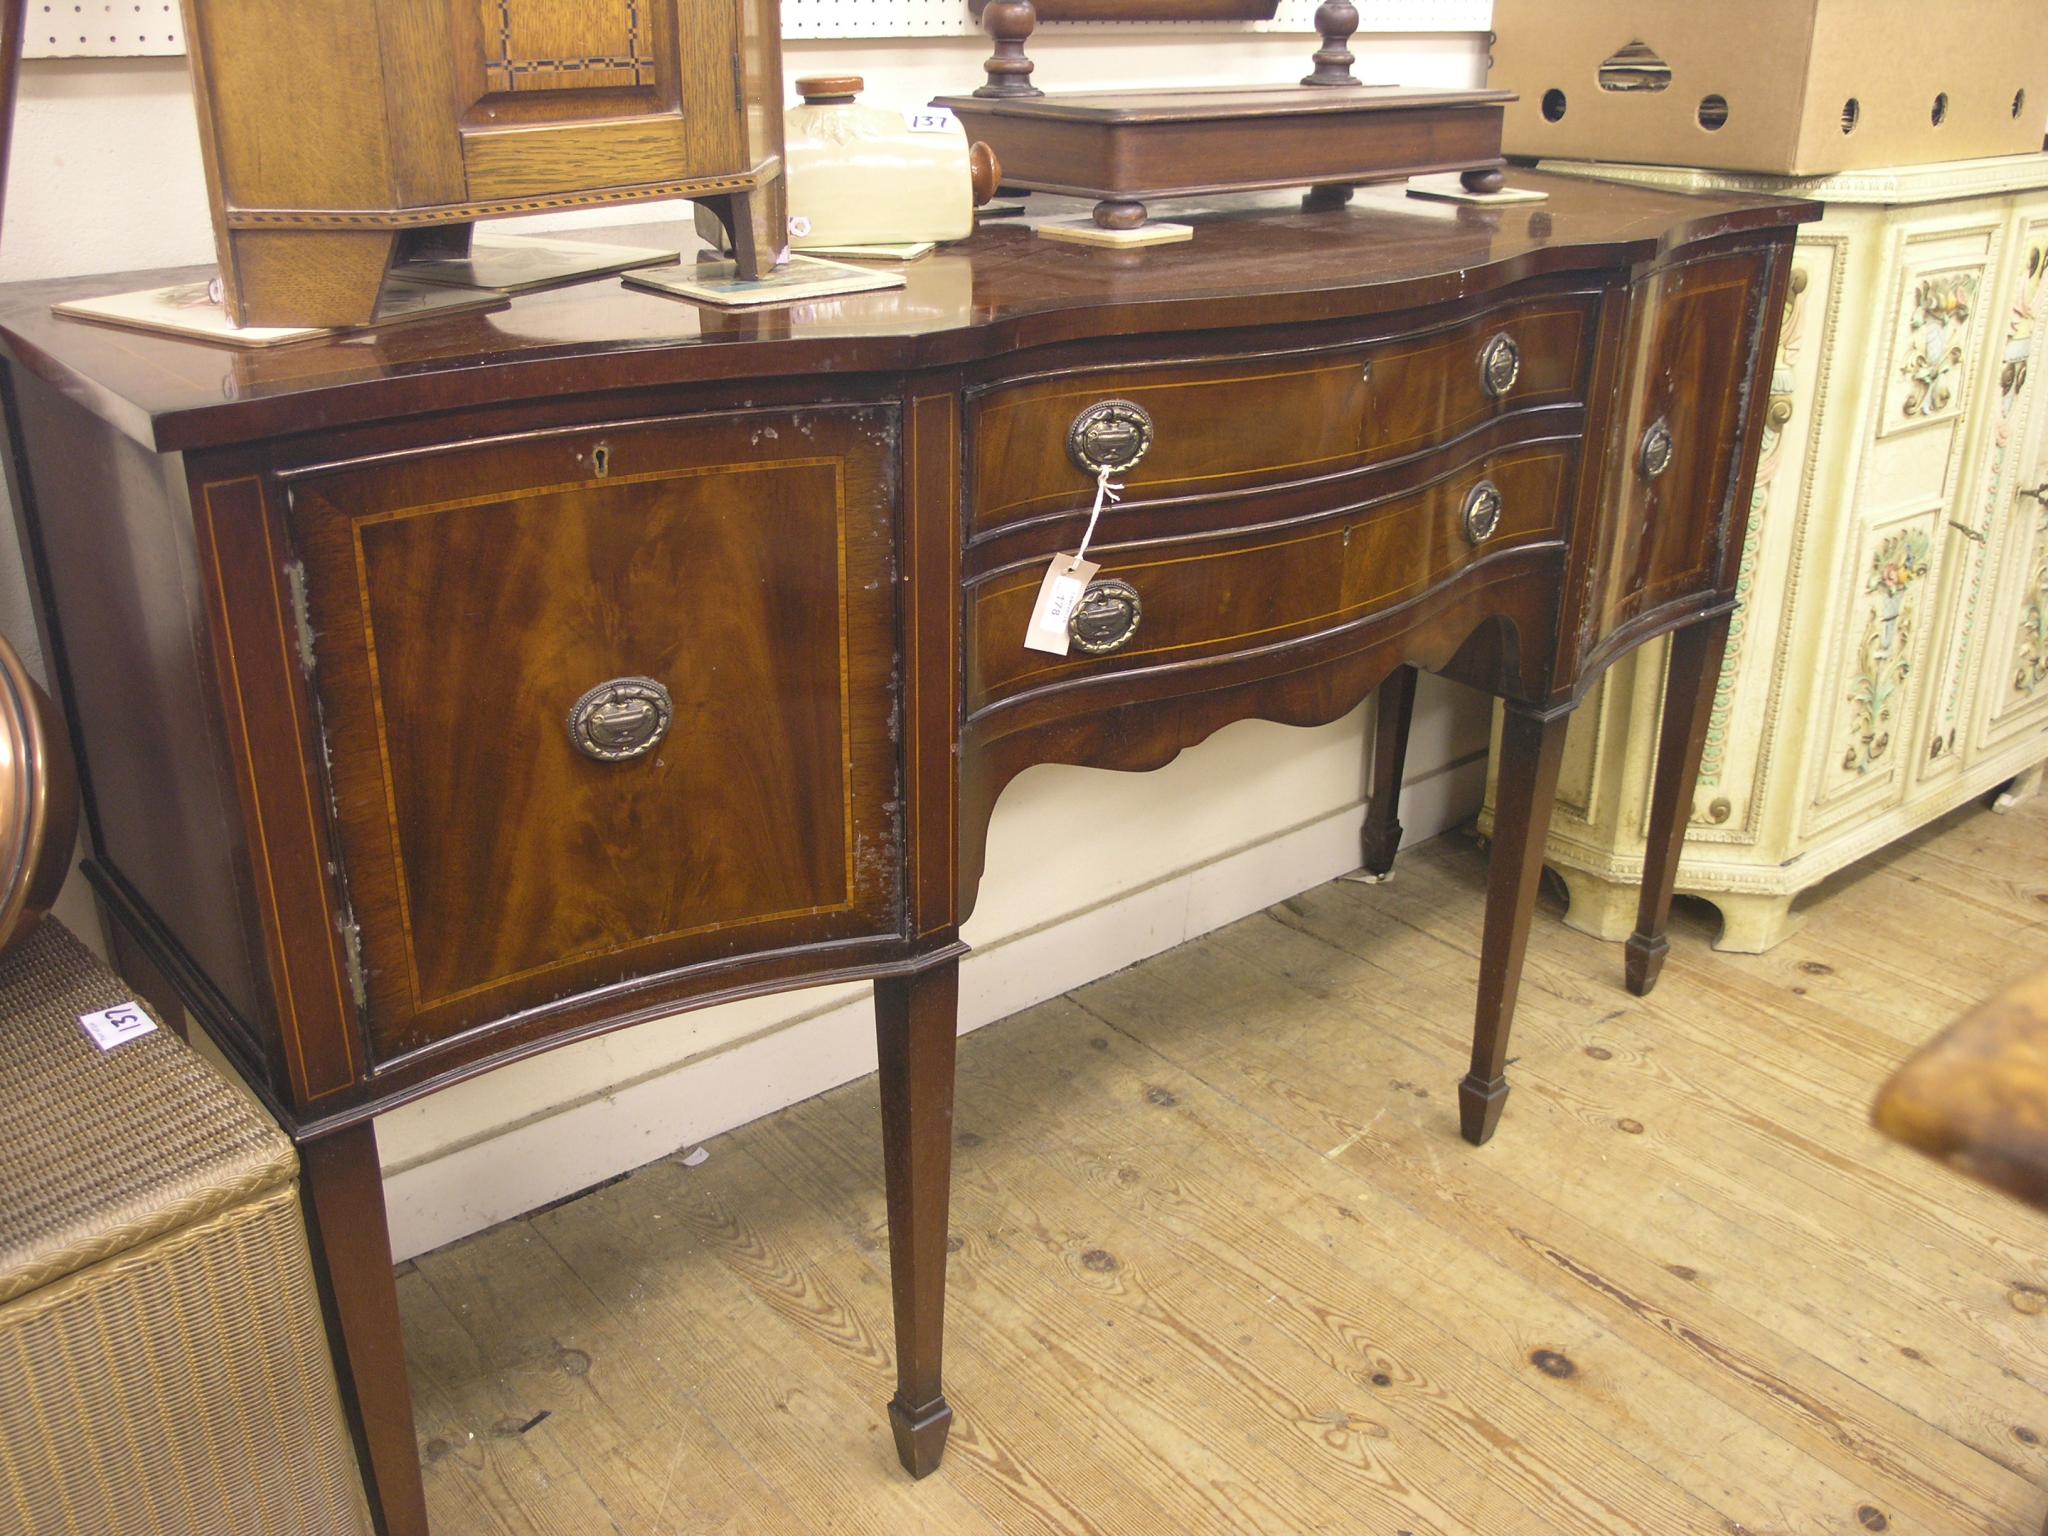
(468, 1188)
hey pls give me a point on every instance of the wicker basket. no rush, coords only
(162, 1361)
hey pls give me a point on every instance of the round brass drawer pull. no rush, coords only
(1482, 512)
(1105, 618)
(1111, 435)
(1657, 450)
(1500, 365)
(621, 720)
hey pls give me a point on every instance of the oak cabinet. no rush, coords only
(338, 135)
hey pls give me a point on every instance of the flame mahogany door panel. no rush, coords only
(461, 602)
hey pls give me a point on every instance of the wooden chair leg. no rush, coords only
(1394, 712)
(1695, 664)
(352, 1258)
(1531, 748)
(916, 1031)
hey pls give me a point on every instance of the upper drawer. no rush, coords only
(603, 703)
(1246, 421)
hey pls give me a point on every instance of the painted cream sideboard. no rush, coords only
(1889, 660)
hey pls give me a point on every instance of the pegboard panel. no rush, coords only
(950, 18)
(106, 29)
(62, 29)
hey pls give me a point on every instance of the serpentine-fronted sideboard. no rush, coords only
(450, 692)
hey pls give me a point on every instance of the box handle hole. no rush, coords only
(1713, 112)
(1940, 112)
(1553, 105)
(2019, 101)
(1852, 114)
(1635, 68)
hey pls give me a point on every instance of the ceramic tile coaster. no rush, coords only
(909, 250)
(801, 277)
(1088, 232)
(194, 311)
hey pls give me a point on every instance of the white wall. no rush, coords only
(106, 176)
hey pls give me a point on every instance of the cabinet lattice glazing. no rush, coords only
(1890, 658)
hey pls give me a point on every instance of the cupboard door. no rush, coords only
(2011, 706)
(604, 703)
(1675, 463)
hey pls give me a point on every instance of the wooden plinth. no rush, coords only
(1128, 148)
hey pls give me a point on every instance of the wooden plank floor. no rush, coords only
(1223, 1265)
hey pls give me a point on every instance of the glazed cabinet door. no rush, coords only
(603, 703)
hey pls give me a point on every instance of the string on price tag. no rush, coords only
(1066, 581)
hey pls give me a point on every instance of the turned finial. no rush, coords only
(1009, 22)
(1336, 20)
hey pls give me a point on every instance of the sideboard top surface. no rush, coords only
(1256, 259)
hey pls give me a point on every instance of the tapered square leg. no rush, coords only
(1531, 748)
(352, 1258)
(1394, 712)
(1695, 664)
(916, 1031)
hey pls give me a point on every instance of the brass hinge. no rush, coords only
(739, 83)
(302, 613)
(352, 949)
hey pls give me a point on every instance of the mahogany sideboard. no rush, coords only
(450, 692)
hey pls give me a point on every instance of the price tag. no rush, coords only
(1066, 581)
(117, 1025)
(930, 120)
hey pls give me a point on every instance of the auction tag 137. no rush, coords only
(117, 1025)
(1066, 580)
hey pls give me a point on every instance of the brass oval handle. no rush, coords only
(1657, 449)
(1106, 617)
(1482, 512)
(1111, 435)
(620, 720)
(1500, 365)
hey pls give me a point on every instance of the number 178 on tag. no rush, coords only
(1059, 595)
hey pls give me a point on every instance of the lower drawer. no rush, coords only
(1197, 598)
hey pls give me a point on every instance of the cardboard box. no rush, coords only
(1793, 87)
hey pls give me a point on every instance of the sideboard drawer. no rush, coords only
(1198, 598)
(514, 832)
(1280, 417)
